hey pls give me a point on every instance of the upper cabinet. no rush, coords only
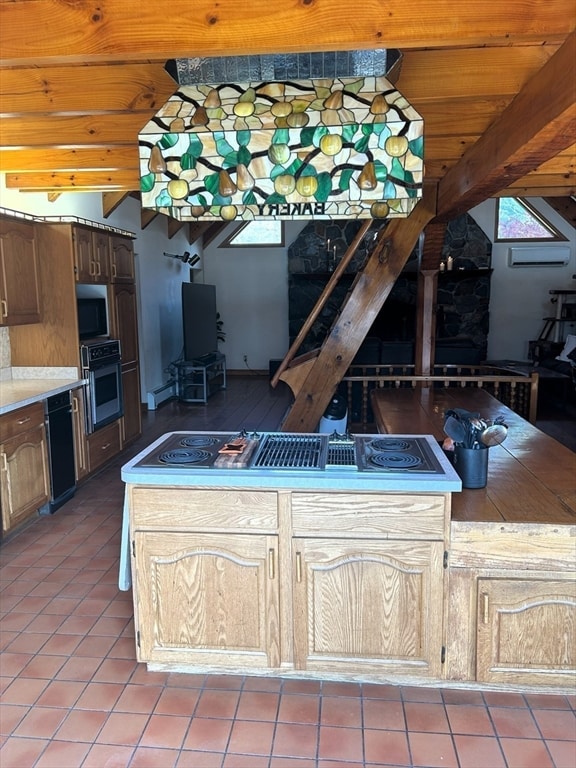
(91, 255)
(121, 260)
(20, 301)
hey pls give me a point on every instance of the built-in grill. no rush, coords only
(283, 451)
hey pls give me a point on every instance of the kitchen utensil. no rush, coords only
(493, 435)
(455, 429)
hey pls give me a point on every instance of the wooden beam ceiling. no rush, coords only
(78, 82)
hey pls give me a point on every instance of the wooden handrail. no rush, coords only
(479, 379)
(328, 288)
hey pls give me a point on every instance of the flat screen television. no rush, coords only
(199, 320)
(92, 318)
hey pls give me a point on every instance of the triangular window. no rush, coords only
(516, 219)
(256, 233)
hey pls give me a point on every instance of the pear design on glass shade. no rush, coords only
(340, 148)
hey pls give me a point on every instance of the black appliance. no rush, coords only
(199, 320)
(60, 432)
(92, 317)
(101, 365)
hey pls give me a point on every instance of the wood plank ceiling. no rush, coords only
(494, 83)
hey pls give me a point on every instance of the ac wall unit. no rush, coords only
(537, 256)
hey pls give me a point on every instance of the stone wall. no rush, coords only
(463, 294)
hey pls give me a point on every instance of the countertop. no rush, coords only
(333, 479)
(530, 475)
(17, 393)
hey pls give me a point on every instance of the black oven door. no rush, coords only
(104, 400)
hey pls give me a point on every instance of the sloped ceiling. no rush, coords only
(494, 83)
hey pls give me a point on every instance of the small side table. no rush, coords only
(200, 378)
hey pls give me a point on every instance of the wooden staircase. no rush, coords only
(314, 377)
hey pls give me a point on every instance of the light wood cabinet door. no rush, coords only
(132, 419)
(20, 302)
(526, 631)
(103, 445)
(121, 260)
(24, 479)
(368, 606)
(207, 599)
(125, 321)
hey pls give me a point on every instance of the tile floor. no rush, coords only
(72, 694)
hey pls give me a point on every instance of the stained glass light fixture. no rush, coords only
(338, 147)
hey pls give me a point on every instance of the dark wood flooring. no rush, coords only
(249, 402)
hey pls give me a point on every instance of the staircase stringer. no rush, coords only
(361, 308)
(319, 306)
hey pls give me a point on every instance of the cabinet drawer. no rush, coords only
(103, 445)
(370, 515)
(22, 420)
(214, 510)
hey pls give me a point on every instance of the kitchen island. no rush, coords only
(317, 570)
(338, 572)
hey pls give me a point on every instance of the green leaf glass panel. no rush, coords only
(280, 136)
(417, 147)
(324, 187)
(275, 199)
(345, 177)
(243, 138)
(319, 131)
(307, 136)
(380, 170)
(222, 146)
(168, 140)
(230, 160)
(249, 198)
(244, 155)
(389, 190)
(195, 149)
(211, 183)
(349, 131)
(147, 182)
(187, 161)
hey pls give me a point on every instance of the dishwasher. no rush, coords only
(60, 432)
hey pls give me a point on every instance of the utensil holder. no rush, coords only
(471, 464)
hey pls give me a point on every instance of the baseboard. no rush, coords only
(161, 394)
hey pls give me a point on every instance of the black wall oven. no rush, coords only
(101, 365)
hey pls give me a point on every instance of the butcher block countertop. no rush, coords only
(531, 476)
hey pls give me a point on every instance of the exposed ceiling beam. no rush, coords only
(86, 32)
(111, 201)
(83, 180)
(539, 123)
(565, 206)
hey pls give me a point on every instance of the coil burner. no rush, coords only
(396, 455)
(200, 441)
(181, 451)
(184, 456)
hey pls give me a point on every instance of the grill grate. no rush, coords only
(291, 452)
(341, 455)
